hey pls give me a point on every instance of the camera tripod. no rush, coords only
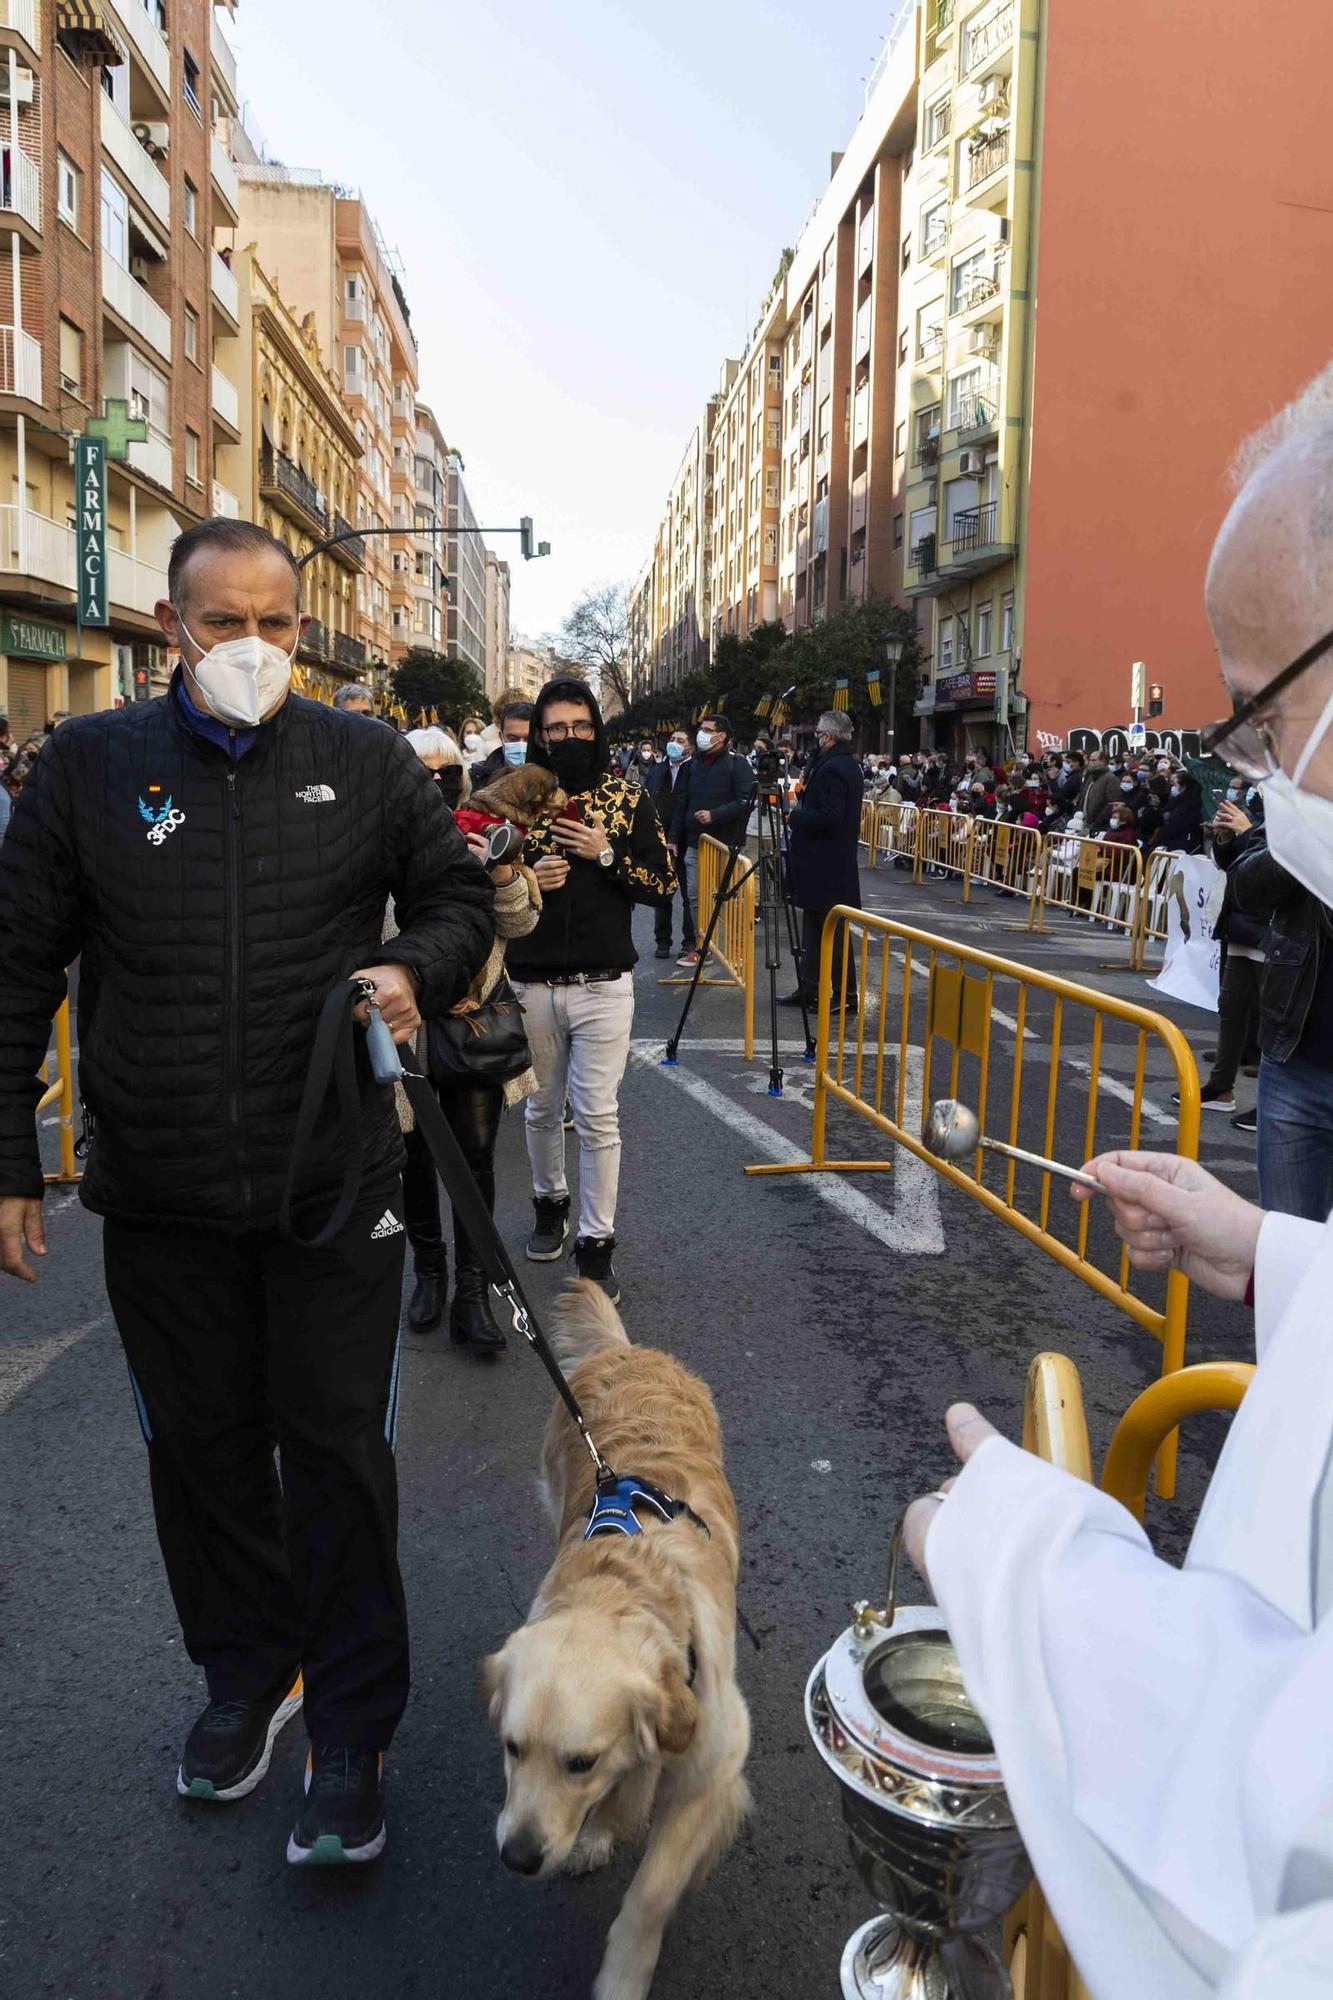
(772, 900)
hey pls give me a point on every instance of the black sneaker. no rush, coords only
(227, 1752)
(592, 1254)
(547, 1241)
(1246, 1121)
(342, 1819)
(1211, 1099)
(662, 951)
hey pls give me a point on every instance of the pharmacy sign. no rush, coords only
(90, 531)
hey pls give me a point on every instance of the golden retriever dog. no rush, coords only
(617, 1702)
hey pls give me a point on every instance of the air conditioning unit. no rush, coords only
(971, 462)
(983, 340)
(991, 94)
(23, 85)
(155, 136)
(140, 268)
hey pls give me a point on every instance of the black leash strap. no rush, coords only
(333, 1059)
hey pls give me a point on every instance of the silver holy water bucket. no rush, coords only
(927, 1818)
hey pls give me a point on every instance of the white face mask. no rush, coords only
(472, 741)
(1300, 823)
(241, 679)
(704, 741)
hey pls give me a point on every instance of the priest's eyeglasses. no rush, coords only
(1245, 740)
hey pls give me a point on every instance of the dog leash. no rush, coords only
(333, 1060)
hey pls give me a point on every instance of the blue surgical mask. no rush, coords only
(1126, 784)
(675, 751)
(516, 753)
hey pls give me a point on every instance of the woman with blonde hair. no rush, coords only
(472, 1105)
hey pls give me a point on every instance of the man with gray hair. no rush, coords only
(822, 863)
(353, 699)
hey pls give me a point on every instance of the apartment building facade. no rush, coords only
(497, 622)
(328, 259)
(465, 569)
(746, 489)
(670, 606)
(117, 183)
(301, 457)
(430, 501)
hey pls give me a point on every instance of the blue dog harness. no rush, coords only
(613, 1508)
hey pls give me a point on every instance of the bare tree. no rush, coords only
(595, 637)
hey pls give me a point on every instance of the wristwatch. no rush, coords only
(606, 859)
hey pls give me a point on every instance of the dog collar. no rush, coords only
(613, 1508)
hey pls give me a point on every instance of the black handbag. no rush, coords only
(488, 1045)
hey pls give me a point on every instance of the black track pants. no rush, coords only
(238, 1344)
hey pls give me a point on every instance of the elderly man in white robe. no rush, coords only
(1167, 1735)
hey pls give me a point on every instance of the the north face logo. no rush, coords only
(388, 1225)
(317, 795)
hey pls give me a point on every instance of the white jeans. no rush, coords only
(579, 1037)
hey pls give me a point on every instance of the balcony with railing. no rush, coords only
(134, 161)
(295, 492)
(20, 364)
(21, 18)
(149, 45)
(32, 544)
(225, 503)
(21, 186)
(225, 288)
(351, 553)
(932, 343)
(135, 305)
(348, 652)
(987, 157)
(974, 542)
(974, 402)
(986, 39)
(315, 640)
(137, 585)
(226, 400)
(223, 54)
(223, 171)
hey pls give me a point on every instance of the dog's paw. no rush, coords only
(628, 1967)
(591, 1852)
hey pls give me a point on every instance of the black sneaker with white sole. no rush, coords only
(1247, 1121)
(1210, 1099)
(592, 1255)
(547, 1241)
(227, 1752)
(342, 1819)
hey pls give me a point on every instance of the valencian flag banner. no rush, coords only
(873, 687)
(841, 698)
(764, 704)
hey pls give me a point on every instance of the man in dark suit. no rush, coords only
(659, 780)
(822, 862)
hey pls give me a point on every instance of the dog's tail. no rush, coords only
(583, 1323)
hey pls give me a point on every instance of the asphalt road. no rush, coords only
(833, 1319)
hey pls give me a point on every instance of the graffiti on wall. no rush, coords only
(1180, 743)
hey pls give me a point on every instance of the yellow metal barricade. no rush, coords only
(1007, 856)
(732, 950)
(1017, 1044)
(899, 830)
(61, 1092)
(1155, 896)
(868, 837)
(1098, 879)
(1055, 1428)
(944, 845)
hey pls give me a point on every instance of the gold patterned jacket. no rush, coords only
(585, 925)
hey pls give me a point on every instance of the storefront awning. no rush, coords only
(92, 25)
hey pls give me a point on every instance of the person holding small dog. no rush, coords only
(600, 854)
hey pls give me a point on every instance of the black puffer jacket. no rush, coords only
(214, 904)
(1296, 946)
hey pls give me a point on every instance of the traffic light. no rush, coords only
(1138, 687)
(525, 537)
(1155, 699)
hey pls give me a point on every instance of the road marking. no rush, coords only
(913, 1227)
(1151, 1111)
(23, 1364)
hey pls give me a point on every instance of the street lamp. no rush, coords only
(893, 653)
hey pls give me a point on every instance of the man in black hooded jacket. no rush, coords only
(574, 974)
(218, 860)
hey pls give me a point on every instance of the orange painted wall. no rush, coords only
(1184, 292)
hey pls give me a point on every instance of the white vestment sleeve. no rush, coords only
(1132, 1708)
(1287, 1247)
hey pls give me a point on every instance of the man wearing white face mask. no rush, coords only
(221, 858)
(1166, 1734)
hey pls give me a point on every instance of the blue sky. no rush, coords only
(589, 200)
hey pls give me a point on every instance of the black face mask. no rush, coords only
(450, 783)
(575, 764)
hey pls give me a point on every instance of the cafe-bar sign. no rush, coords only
(90, 530)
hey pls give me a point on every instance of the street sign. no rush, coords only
(90, 564)
(1138, 735)
(117, 429)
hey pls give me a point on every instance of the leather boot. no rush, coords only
(426, 1307)
(470, 1322)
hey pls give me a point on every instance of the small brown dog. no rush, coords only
(617, 1702)
(525, 795)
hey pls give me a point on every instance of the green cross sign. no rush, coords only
(117, 429)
